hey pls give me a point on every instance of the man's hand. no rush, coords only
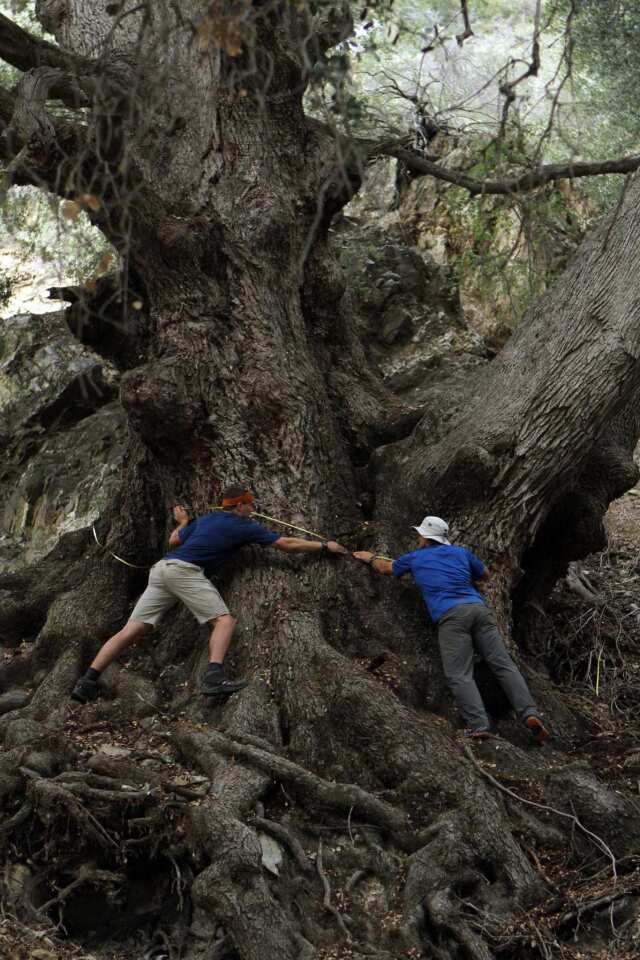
(364, 555)
(334, 547)
(181, 515)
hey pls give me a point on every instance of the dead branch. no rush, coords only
(567, 59)
(326, 899)
(468, 32)
(598, 841)
(106, 796)
(507, 89)
(86, 874)
(49, 796)
(577, 581)
(591, 906)
(115, 774)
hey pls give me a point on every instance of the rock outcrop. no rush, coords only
(62, 432)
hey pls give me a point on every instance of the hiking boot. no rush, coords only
(483, 734)
(537, 729)
(215, 683)
(85, 690)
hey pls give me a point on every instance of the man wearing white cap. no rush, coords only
(445, 575)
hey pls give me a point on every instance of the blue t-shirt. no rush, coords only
(444, 575)
(214, 538)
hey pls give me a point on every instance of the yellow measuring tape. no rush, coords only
(283, 523)
(318, 536)
(134, 566)
(263, 516)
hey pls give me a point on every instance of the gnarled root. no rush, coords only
(233, 888)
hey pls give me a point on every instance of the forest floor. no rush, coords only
(592, 652)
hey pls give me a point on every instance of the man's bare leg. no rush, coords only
(215, 682)
(114, 646)
(86, 689)
(220, 637)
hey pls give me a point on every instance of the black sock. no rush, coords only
(92, 674)
(214, 667)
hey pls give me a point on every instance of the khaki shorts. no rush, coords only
(173, 580)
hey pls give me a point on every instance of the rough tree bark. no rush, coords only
(195, 158)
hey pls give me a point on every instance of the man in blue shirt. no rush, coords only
(199, 548)
(446, 576)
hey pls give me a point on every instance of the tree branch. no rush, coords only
(547, 173)
(24, 51)
(467, 32)
(75, 83)
(507, 89)
(332, 24)
(42, 151)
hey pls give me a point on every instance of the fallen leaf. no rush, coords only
(91, 201)
(104, 263)
(70, 209)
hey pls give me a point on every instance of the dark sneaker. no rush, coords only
(85, 690)
(537, 729)
(483, 734)
(217, 684)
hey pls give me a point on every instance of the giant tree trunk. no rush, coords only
(218, 194)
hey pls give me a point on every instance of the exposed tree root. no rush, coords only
(340, 796)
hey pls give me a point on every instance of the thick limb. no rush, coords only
(220, 638)
(112, 649)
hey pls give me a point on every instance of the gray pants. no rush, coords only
(471, 628)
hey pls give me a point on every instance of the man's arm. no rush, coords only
(298, 545)
(181, 515)
(477, 568)
(376, 563)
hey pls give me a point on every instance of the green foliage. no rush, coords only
(606, 36)
(605, 44)
(506, 250)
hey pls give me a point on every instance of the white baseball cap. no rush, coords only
(433, 528)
